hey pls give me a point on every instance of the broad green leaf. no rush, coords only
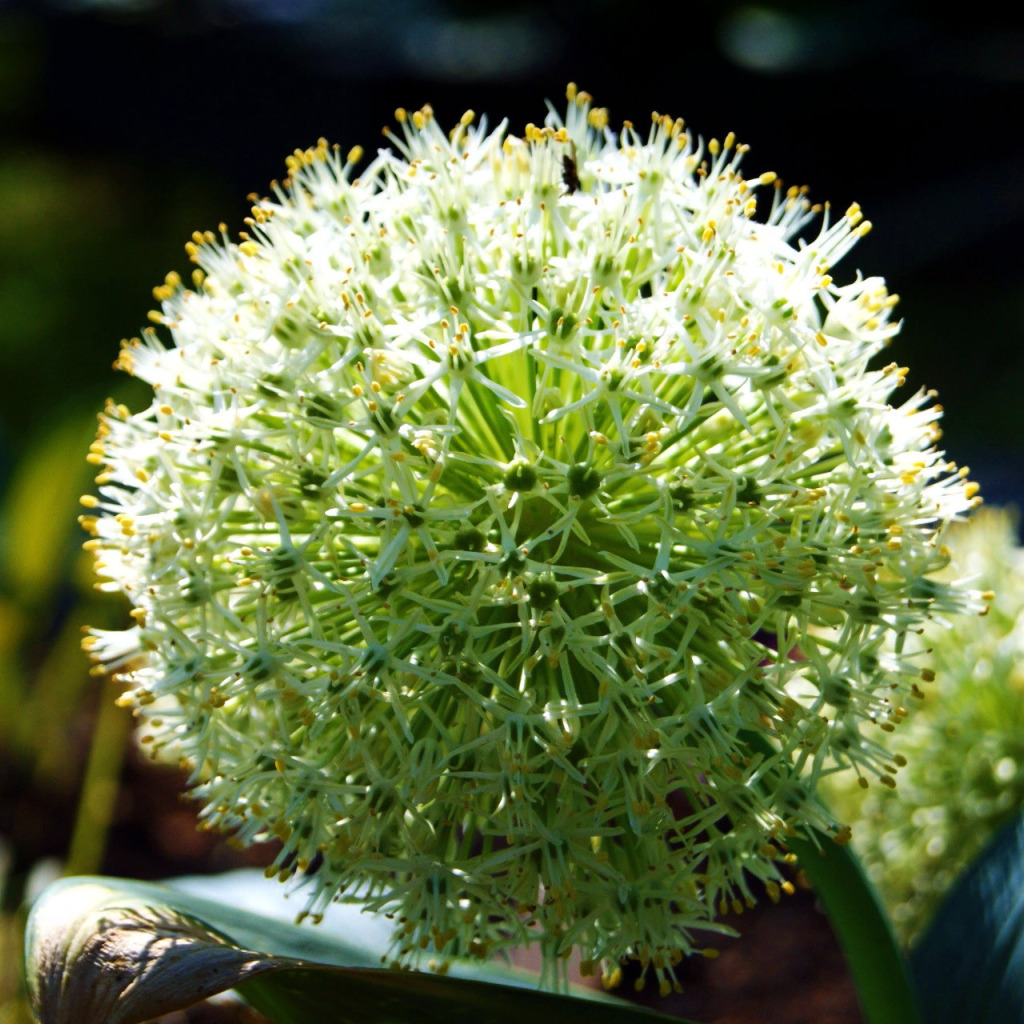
(369, 997)
(969, 963)
(112, 951)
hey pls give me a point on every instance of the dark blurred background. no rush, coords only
(125, 125)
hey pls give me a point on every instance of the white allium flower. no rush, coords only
(491, 501)
(964, 749)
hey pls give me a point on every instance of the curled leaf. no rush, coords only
(97, 955)
(114, 951)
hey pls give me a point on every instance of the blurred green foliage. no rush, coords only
(46, 702)
(80, 247)
(83, 239)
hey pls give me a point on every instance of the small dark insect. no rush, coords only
(570, 172)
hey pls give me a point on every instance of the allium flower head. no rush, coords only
(964, 749)
(492, 499)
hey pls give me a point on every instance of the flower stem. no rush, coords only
(859, 922)
(861, 925)
(99, 787)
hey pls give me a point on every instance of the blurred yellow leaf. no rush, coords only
(40, 511)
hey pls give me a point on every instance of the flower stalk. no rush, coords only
(864, 931)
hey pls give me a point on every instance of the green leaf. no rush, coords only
(368, 996)
(112, 951)
(969, 963)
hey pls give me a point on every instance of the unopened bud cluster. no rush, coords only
(492, 500)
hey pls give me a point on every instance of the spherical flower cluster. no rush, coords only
(518, 532)
(964, 748)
